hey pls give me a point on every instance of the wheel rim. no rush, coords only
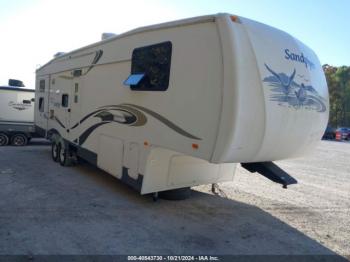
(18, 140)
(62, 155)
(54, 150)
(2, 140)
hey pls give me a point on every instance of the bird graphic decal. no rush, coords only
(301, 94)
(287, 92)
(286, 86)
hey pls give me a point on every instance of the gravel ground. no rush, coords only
(49, 209)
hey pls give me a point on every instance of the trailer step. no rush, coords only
(271, 171)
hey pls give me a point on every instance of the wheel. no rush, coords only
(54, 151)
(4, 139)
(64, 156)
(176, 194)
(19, 140)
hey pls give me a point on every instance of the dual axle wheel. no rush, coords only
(16, 139)
(66, 157)
(62, 154)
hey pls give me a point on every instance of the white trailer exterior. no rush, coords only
(179, 104)
(16, 115)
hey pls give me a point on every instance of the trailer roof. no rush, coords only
(14, 88)
(182, 22)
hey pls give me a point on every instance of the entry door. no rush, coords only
(75, 109)
(42, 91)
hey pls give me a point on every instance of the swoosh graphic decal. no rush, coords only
(86, 117)
(75, 126)
(136, 118)
(124, 116)
(97, 57)
(87, 132)
(166, 122)
(59, 122)
(141, 119)
(162, 119)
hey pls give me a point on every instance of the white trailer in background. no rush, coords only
(178, 104)
(16, 114)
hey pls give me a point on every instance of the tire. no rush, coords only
(64, 156)
(4, 139)
(55, 151)
(176, 194)
(19, 140)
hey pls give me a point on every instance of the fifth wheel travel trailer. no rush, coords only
(16, 114)
(178, 104)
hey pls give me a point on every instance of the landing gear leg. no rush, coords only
(213, 188)
(155, 197)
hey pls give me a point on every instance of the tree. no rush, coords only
(338, 80)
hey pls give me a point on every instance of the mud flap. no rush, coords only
(270, 171)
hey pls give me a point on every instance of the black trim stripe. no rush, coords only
(88, 131)
(59, 122)
(97, 57)
(86, 117)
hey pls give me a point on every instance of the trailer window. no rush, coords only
(151, 67)
(27, 102)
(42, 85)
(41, 104)
(76, 90)
(64, 100)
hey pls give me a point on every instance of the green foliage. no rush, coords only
(338, 80)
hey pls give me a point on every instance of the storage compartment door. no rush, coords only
(110, 155)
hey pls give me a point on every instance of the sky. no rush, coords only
(32, 31)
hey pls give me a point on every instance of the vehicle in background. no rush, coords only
(16, 114)
(329, 134)
(342, 133)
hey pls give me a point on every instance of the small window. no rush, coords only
(52, 113)
(41, 104)
(76, 87)
(27, 102)
(77, 72)
(64, 100)
(42, 85)
(76, 99)
(150, 69)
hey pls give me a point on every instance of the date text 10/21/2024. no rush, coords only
(173, 258)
